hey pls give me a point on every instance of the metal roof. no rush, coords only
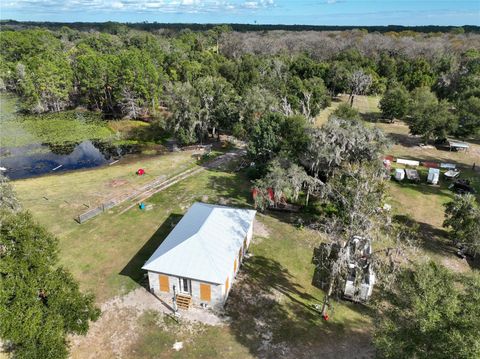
(204, 244)
(454, 143)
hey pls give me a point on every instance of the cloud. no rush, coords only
(154, 6)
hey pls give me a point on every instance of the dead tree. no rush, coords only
(359, 83)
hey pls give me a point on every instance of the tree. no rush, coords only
(342, 141)
(427, 314)
(286, 180)
(358, 84)
(394, 103)
(255, 103)
(40, 302)
(429, 117)
(354, 196)
(345, 112)
(462, 215)
(184, 105)
(265, 138)
(8, 198)
(469, 116)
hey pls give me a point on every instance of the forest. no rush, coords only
(220, 79)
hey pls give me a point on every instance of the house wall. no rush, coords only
(219, 294)
(233, 274)
(216, 296)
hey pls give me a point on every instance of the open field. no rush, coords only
(366, 105)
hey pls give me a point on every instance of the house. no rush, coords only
(199, 259)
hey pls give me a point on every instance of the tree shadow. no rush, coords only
(271, 314)
(405, 140)
(373, 117)
(133, 269)
(432, 239)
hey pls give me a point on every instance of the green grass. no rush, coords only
(57, 128)
(366, 105)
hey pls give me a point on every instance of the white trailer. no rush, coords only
(399, 174)
(433, 175)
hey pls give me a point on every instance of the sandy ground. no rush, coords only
(118, 327)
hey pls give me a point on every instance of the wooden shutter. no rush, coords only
(164, 283)
(226, 285)
(205, 292)
(235, 265)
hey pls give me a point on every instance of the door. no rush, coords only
(184, 285)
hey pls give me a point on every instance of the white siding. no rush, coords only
(249, 234)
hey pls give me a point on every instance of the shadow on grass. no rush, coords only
(373, 117)
(271, 313)
(405, 140)
(432, 239)
(133, 269)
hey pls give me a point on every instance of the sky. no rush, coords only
(310, 12)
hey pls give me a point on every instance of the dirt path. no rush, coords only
(118, 327)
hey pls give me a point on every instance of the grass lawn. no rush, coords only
(366, 105)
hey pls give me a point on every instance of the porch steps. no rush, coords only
(184, 301)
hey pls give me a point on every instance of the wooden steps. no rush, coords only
(184, 301)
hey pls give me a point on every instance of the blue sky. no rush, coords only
(314, 12)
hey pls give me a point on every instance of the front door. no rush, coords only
(184, 285)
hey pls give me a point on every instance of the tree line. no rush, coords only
(220, 79)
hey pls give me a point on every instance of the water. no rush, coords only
(36, 159)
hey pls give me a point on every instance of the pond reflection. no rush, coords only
(38, 159)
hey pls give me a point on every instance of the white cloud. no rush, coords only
(165, 6)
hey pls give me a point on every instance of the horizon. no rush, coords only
(260, 12)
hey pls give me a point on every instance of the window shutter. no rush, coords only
(164, 283)
(205, 292)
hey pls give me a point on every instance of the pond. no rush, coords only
(45, 144)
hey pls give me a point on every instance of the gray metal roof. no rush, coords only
(459, 144)
(204, 244)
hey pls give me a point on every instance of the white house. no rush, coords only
(201, 256)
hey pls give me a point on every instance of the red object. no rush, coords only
(271, 194)
(430, 164)
(325, 316)
(140, 172)
(390, 158)
(254, 193)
